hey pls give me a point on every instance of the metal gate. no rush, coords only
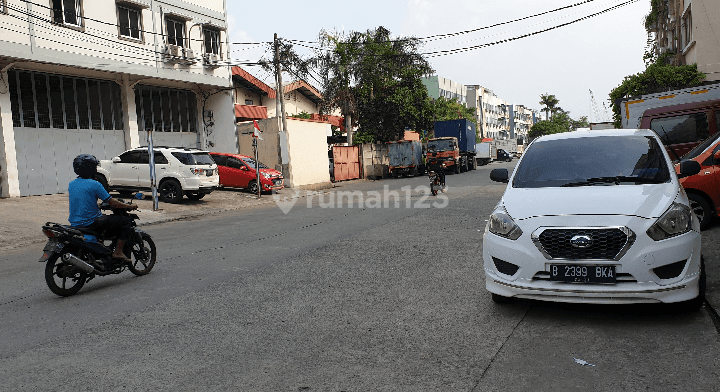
(346, 163)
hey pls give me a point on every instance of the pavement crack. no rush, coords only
(500, 348)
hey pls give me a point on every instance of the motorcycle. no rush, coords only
(437, 182)
(76, 255)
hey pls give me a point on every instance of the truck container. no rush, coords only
(485, 153)
(464, 133)
(681, 118)
(406, 157)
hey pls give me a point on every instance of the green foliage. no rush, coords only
(560, 122)
(362, 137)
(549, 102)
(450, 109)
(304, 115)
(658, 77)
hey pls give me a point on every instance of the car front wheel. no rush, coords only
(170, 191)
(701, 208)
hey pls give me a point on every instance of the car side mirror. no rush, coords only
(116, 160)
(688, 168)
(499, 175)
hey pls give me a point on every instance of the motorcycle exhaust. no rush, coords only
(84, 267)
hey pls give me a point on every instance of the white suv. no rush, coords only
(179, 171)
(595, 217)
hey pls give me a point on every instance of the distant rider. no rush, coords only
(84, 193)
(439, 168)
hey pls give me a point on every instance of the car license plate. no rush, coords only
(580, 273)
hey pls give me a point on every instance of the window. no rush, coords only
(52, 101)
(686, 128)
(135, 156)
(212, 41)
(2, 7)
(234, 163)
(67, 12)
(248, 102)
(175, 32)
(129, 22)
(221, 160)
(165, 110)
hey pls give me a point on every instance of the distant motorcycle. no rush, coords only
(437, 180)
(76, 255)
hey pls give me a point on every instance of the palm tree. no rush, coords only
(549, 102)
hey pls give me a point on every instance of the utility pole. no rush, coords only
(280, 90)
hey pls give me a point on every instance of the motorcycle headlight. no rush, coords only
(675, 221)
(500, 223)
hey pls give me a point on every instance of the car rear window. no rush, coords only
(554, 163)
(194, 158)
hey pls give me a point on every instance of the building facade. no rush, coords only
(437, 87)
(97, 77)
(690, 30)
(493, 113)
(521, 120)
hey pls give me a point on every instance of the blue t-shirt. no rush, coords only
(84, 194)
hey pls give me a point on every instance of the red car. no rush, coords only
(703, 189)
(238, 171)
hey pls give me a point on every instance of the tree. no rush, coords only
(376, 80)
(559, 123)
(549, 102)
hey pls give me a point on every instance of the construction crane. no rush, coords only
(596, 110)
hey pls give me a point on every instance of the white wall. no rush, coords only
(307, 147)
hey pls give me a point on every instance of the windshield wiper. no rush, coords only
(613, 180)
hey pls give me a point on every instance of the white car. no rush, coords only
(595, 217)
(178, 172)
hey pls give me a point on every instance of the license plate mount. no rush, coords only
(582, 273)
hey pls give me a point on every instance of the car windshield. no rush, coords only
(702, 146)
(251, 162)
(197, 158)
(440, 145)
(587, 161)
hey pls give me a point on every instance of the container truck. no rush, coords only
(406, 157)
(463, 131)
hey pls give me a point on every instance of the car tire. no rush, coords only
(701, 208)
(500, 299)
(252, 187)
(170, 191)
(103, 181)
(456, 168)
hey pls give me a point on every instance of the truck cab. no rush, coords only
(444, 149)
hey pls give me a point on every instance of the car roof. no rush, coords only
(596, 133)
(171, 149)
(232, 155)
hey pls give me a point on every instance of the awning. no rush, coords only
(252, 112)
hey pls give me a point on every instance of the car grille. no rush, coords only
(606, 243)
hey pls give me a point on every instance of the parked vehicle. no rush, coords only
(703, 189)
(179, 171)
(406, 157)
(464, 133)
(76, 255)
(570, 230)
(509, 145)
(485, 153)
(682, 118)
(238, 171)
(503, 155)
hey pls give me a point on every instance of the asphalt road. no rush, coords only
(335, 299)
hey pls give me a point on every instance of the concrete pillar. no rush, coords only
(132, 137)
(9, 181)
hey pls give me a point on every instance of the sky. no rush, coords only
(592, 54)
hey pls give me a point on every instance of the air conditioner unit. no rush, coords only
(188, 56)
(173, 53)
(211, 59)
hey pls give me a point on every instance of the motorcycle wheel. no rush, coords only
(143, 256)
(63, 279)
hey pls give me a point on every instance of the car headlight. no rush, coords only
(266, 175)
(675, 221)
(500, 223)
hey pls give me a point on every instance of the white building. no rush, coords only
(493, 114)
(521, 120)
(94, 76)
(438, 86)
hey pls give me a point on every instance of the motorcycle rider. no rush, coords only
(439, 168)
(84, 193)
